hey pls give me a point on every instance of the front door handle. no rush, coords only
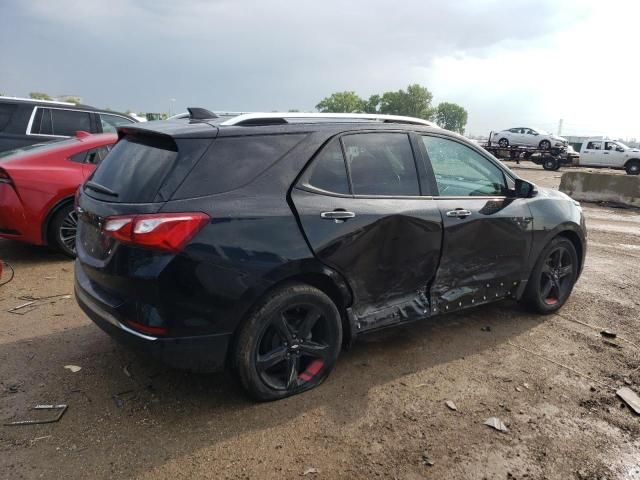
(338, 216)
(458, 212)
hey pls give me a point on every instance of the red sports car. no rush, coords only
(38, 184)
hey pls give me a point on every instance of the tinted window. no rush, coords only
(111, 122)
(68, 122)
(328, 171)
(461, 171)
(42, 122)
(135, 168)
(6, 112)
(96, 155)
(232, 162)
(381, 164)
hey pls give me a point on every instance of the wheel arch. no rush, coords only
(634, 159)
(577, 244)
(52, 211)
(319, 276)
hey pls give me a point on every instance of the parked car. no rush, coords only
(529, 137)
(607, 153)
(37, 186)
(267, 241)
(27, 121)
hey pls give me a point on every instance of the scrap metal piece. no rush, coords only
(630, 398)
(60, 412)
(495, 422)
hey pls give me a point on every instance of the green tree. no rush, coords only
(341, 102)
(373, 104)
(451, 117)
(39, 96)
(414, 102)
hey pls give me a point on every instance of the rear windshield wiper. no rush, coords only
(100, 188)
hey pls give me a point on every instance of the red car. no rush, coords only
(38, 184)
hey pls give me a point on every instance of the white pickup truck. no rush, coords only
(606, 153)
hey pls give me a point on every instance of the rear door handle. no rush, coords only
(458, 212)
(338, 216)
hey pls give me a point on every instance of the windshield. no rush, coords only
(622, 145)
(37, 146)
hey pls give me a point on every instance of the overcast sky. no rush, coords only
(508, 62)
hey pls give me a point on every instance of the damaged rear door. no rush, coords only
(361, 209)
(487, 234)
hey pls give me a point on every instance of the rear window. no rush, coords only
(232, 162)
(135, 169)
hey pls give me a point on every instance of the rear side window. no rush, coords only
(594, 146)
(135, 168)
(54, 121)
(381, 164)
(6, 112)
(328, 171)
(232, 162)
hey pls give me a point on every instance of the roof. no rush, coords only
(55, 103)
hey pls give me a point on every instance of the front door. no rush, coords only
(592, 154)
(487, 235)
(371, 224)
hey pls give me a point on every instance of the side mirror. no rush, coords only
(524, 189)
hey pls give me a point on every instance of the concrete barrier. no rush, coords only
(602, 187)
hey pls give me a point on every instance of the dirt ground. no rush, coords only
(381, 414)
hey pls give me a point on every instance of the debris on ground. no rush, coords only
(60, 409)
(612, 344)
(630, 398)
(451, 405)
(3, 279)
(495, 422)
(118, 398)
(608, 334)
(426, 459)
(518, 389)
(31, 303)
(73, 368)
(486, 329)
(310, 470)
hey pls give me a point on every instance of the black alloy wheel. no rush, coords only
(553, 277)
(290, 344)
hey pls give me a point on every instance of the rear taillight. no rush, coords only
(161, 231)
(4, 177)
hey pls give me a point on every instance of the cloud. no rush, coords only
(274, 54)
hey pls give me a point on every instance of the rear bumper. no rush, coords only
(206, 353)
(12, 216)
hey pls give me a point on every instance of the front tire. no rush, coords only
(553, 277)
(289, 344)
(503, 142)
(633, 167)
(62, 230)
(545, 145)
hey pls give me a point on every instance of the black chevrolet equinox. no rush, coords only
(267, 242)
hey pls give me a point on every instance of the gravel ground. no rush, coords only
(381, 414)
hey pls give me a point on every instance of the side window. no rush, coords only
(6, 112)
(381, 164)
(68, 122)
(328, 171)
(111, 122)
(96, 155)
(594, 146)
(42, 122)
(78, 157)
(460, 171)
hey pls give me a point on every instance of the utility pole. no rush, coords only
(560, 127)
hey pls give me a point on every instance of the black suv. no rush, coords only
(267, 242)
(26, 121)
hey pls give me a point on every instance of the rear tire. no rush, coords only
(503, 142)
(62, 230)
(289, 344)
(545, 144)
(633, 167)
(553, 277)
(550, 163)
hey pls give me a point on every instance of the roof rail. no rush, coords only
(281, 117)
(21, 99)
